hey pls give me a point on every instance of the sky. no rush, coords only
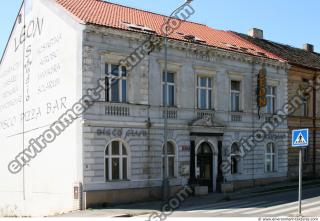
(292, 22)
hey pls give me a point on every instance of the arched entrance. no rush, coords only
(204, 167)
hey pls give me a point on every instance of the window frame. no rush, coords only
(235, 92)
(120, 156)
(235, 155)
(272, 156)
(174, 156)
(208, 90)
(305, 155)
(109, 78)
(168, 84)
(304, 106)
(273, 98)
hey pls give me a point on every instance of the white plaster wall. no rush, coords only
(106, 45)
(53, 84)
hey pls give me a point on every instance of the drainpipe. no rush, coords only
(23, 102)
(314, 104)
(254, 61)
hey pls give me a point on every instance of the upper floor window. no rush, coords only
(170, 159)
(168, 89)
(235, 96)
(271, 100)
(204, 92)
(116, 161)
(116, 83)
(270, 155)
(304, 106)
(235, 151)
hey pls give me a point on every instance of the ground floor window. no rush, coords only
(305, 154)
(171, 156)
(235, 151)
(270, 155)
(116, 161)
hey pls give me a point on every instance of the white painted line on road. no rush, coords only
(263, 210)
(292, 208)
(270, 208)
(214, 206)
(241, 210)
(304, 211)
(279, 206)
(232, 208)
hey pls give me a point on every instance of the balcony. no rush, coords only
(172, 112)
(236, 117)
(204, 113)
(117, 109)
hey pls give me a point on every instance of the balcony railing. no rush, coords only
(117, 109)
(204, 113)
(172, 112)
(141, 112)
(236, 117)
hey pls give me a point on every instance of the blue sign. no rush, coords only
(300, 138)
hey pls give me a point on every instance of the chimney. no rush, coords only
(256, 33)
(308, 47)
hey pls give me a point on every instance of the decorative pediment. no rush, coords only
(206, 121)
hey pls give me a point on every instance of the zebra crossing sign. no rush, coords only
(300, 138)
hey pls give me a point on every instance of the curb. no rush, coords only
(249, 194)
(223, 197)
(270, 191)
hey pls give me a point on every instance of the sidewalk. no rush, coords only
(274, 188)
(137, 209)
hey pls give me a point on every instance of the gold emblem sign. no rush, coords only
(261, 90)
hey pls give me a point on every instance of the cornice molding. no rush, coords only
(212, 53)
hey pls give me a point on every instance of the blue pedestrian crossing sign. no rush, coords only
(300, 138)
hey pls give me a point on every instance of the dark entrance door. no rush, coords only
(204, 166)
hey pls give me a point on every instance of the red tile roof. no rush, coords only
(113, 15)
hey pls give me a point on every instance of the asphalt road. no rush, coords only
(281, 204)
(268, 205)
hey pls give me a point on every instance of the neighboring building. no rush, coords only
(114, 152)
(304, 66)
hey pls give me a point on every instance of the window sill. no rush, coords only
(171, 178)
(116, 181)
(201, 109)
(268, 114)
(237, 112)
(272, 172)
(176, 107)
(236, 174)
(115, 102)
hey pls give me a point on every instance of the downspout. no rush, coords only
(148, 123)
(23, 102)
(314, 106)
(252, 114)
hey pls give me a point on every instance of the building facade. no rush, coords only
(303, 73)
(212, 107)
(305, 117)
(113, 152)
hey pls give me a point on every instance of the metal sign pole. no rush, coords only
(300, 179)
(300, 139)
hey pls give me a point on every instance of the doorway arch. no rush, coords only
(205, 165)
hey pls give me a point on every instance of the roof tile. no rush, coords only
(295, 56)
(113, 15)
